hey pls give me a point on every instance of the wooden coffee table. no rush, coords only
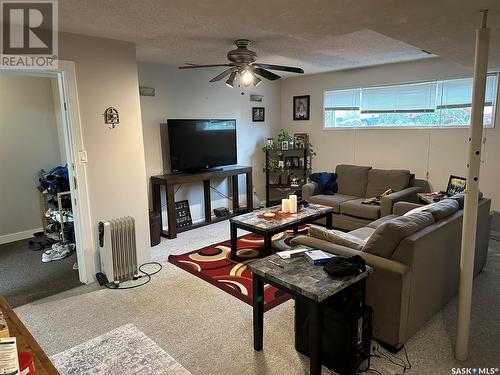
(255, 222)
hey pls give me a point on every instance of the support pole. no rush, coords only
(472, 191)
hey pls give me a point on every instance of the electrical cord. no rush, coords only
(221, 193)
(146, 274)
(400, 362)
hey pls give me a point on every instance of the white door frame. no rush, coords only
(70, 110)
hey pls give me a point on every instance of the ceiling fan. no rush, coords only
(242, 62)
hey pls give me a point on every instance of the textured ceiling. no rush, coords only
(318, 35)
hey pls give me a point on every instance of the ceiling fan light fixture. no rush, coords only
(230, 80)
(256, 81)
(247, 77)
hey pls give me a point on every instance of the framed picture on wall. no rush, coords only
(301, 107)
(258, 114)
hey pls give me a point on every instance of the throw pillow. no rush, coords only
(379, 180)
(336, 236)
(327, 182)
(386, 238)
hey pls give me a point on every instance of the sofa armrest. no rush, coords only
(309, 189)
(407, 195)
(400, 208)
(387, 289)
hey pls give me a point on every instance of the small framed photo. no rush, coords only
(258, 114)
(295, 162)
(301, 107)
(284, 145)
(288, 161)
(300, 140)
(456, 184)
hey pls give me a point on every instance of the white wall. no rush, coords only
(188, 94)
(391, 148)
(106, 72)
(28, 143)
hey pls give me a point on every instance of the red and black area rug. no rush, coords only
(214, 264)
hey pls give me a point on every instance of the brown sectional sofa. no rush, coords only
(356, 183)
(418, 277)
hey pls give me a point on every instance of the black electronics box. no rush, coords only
(346, 331)
(221, 212)
(240, 210)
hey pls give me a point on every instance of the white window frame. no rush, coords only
(391, 127)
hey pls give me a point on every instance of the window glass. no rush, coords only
(442, 103)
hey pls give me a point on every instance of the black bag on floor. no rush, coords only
(345, 266)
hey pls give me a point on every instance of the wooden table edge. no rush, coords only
(42, 362)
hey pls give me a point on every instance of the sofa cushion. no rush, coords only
(418, 209)
(352, 179)
(443, 208)
(387, 236)
(356, 208)
(379, 180)
(460, 198)
(375, 224)
(333, 201)
(336, 236)
(363, 233)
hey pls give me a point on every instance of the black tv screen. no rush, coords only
(201, 144)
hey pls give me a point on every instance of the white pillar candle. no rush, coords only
(285, 205)
(293, 203)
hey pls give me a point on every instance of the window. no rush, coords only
(423, 104)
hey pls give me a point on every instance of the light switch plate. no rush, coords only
(82, 154)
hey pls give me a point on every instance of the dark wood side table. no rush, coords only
(171, 179)
(297, 277)
(26, 342)
(253, 222)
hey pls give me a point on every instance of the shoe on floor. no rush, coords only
(57, 252)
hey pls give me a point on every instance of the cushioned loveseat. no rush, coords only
(355, 184)
(416, 262)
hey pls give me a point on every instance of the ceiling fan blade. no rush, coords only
(222, 75)
(266, 74)
(290, 69)
(192, 66)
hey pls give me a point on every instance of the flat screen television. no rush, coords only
(201, 144)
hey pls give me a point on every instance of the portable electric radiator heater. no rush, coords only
(117, 247)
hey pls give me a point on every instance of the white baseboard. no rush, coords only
(12, 237)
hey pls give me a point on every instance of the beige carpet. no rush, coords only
(210, 332)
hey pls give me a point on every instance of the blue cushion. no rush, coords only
(327, 182)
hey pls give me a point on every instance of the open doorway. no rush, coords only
(43, 237)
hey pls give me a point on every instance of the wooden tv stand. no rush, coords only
(171, 179)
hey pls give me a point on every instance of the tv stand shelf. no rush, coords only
(172, 179)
